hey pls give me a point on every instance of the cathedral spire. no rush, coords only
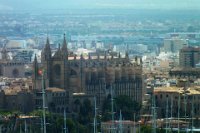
(47, 46)
(64, 46)
(35, 67)
(46, 52)
(64, 50)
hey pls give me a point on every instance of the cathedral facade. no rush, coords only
(98, 75)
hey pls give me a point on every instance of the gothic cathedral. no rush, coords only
(91, 75)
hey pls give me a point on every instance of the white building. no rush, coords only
(174, 44)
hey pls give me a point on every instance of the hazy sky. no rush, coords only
(68, 4)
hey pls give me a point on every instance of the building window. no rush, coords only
(73, 72)
(15, 72)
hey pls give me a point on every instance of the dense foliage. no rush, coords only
(127, 106)
(80, 121)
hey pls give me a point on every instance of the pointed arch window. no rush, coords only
(73, 72)
(57, 70)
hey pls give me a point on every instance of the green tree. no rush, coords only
(124, 103)
(106, 109)
(86, 112)
(145, 129)
(127, 106)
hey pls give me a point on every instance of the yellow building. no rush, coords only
(167, 100)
